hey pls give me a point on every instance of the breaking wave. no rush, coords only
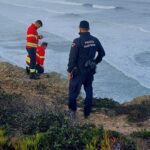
(141, 29)
(82, 4)
(72, 15)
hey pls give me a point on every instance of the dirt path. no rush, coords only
(118, 123)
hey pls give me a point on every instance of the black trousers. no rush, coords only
(75, 85)
(32, 54)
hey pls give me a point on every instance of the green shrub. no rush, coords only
(135, 112)
(44, 130)
(63, 136)
(144, 134)
(99, 103)
(17, 115)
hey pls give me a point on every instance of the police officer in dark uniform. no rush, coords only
(82, 67)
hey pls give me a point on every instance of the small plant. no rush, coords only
(25, 143)
(31, 142)
(92, 145)
(3, 138)
(144, 134)
(105, 144)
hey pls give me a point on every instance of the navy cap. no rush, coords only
(84, 24)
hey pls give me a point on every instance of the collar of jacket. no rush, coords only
(41, 48)
(34, 26)
(84, 33)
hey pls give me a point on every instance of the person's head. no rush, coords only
(44, 45)
(38, 24)
(84, 26)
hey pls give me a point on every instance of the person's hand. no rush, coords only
(40, 36)
(70, 76)
(42, 66)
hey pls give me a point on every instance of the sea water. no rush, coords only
(123, 28)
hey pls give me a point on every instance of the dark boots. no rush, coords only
(28, 70)
(34, 76)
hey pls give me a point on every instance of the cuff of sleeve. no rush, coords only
(69, 70)
(39, 37)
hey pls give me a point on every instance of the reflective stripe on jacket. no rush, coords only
(40, 55)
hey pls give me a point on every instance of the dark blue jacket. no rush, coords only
(83, 49)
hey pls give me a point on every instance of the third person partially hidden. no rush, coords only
(40, 58)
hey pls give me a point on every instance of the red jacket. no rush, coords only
(32, 38)
(40, 56)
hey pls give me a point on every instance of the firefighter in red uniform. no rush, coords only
(40, 58)
(32, 40)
